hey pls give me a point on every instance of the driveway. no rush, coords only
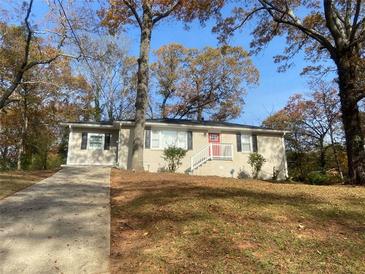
(59, 225)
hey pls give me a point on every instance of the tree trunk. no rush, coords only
(163, 108)
(322, 156)
(200, 114)
(335, 154)
(23, 133)
(142, 89)
(348, 72)
(98, 111)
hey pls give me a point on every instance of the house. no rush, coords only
(213, 148)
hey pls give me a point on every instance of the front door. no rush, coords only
(214, 139)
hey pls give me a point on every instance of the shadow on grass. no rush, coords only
(162, 206)
(155, 194)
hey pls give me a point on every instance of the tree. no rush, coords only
(313, 124)
(111, 74)
(46, 96)
(16, 63)
(168, 71)
(214, 83)
(327, 100)
(146, 14)
(206, 82)
(324, 29)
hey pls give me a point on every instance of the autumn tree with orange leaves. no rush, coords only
(314, 127)
(328, 29)
(146, 14)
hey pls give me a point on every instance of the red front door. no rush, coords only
(214, 139)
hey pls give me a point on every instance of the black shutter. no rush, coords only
(107, 138)
(239, 144)
(190, 140)
(147, 141)
(84, 140)
(254, 142)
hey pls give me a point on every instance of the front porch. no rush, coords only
(212, 151)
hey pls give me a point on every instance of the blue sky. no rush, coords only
(274, 88)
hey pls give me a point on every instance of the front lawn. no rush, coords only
(173, 223)
(13, 181)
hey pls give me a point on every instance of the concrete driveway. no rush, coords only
(59, 225)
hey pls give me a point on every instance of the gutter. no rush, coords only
(86, 125)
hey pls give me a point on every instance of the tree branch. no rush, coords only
(134, 11)
(295, 22)
(25, 65)
(166, 13)
(355, 20)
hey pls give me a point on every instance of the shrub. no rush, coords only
(173, 156)
(316, 178)
(256, 161)
(243, 175)
(320, 178)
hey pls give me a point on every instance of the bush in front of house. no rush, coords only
(256, 161)
(173, 157)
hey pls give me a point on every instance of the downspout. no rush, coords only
(117, 150)
(285, 160)
(68, 145)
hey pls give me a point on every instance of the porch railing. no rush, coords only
(212, 151)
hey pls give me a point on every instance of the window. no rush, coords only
(96, 141)
(161, 139)
(155, 139)
(246, 143)
(214, 138)
(107, 140)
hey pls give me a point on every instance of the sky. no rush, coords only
(268, 96)
(274, 88)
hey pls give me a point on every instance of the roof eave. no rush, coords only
(88, 125)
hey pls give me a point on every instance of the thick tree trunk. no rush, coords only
(142, 91)
(348, 73)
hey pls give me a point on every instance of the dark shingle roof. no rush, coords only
(181, 122)
(203, 123)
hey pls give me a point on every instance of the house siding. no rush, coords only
(270, 146)
(78, 156)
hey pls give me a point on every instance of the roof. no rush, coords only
(182, 122)
(204, 123)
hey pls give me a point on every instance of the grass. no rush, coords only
(14, 181)
(174, 223)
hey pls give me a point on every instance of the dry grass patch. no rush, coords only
(167, 223)
(13, 181)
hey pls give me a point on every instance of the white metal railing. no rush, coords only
(212, 152)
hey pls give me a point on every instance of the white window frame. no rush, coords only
(153, 132)
(160, 140)
(250, 138)
(95, 134)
